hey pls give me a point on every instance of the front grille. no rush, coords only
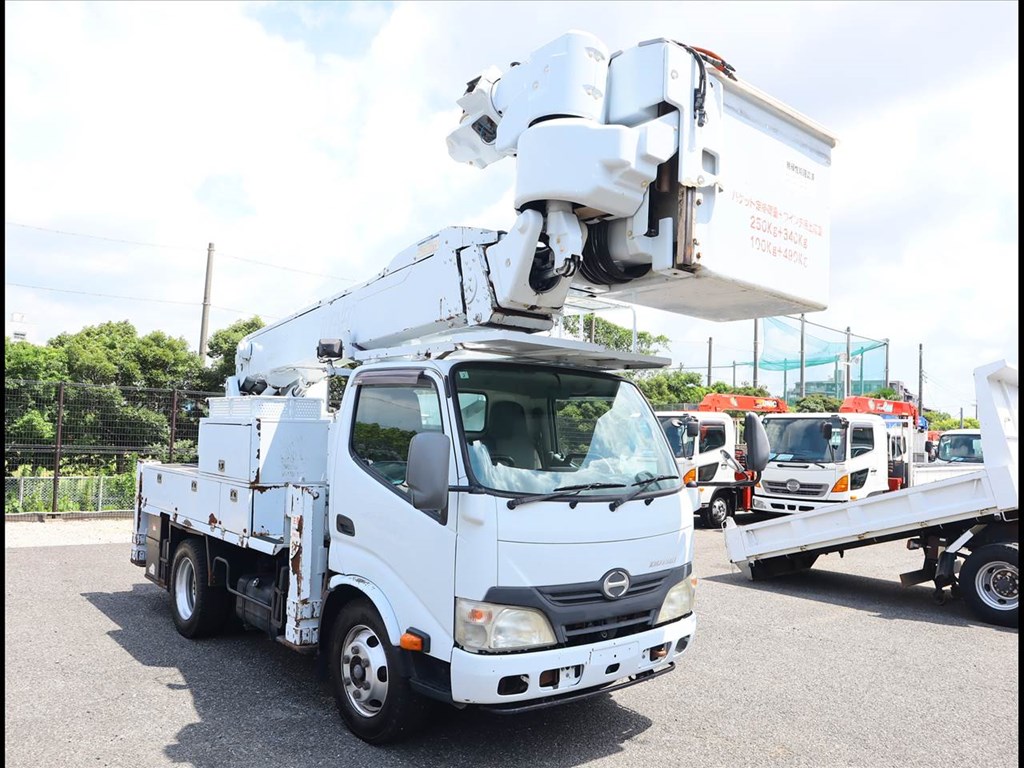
(581, 594)
(805, 489)
(606, 629)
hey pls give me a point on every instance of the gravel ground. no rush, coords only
(59, 533)
(836, 668)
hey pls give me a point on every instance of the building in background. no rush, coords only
(18, 328)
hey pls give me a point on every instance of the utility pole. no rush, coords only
(734, 375)
(886, 383)
(803, 356)
(205, 326)
(755, 352)
(847, 378)
(920, 380)
(961, 417)
(710, 339)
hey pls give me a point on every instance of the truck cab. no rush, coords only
(819, 459)
(960, 446)
(702, 455)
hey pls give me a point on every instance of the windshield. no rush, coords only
(960, 448)
(537, 430)
(801, 440)
(675, 431)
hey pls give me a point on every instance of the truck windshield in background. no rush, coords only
(960, 448)
(801, 439)
(539, 430)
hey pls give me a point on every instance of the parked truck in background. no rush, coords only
(492, 517)
(966, 526)
(709, 454)
(960, 446)
(869, 447)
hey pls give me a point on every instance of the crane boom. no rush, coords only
(651, 175)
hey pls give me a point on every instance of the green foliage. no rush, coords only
(113, 353)
(23, 360)
(941, 421)
(817, 403)
(221, 348)
(673, 388)
(613, 336)
(376, 443)
(576, 421)
(885, 393)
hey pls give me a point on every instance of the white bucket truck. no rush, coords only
(491, 517)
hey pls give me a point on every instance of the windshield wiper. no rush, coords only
(797, 459)
(641, 486)
(563, 491)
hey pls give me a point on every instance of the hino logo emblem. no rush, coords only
(792, 485)
(615, 584)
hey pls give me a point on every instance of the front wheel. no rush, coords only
(990, 584)
(375, 701)
(715, 513)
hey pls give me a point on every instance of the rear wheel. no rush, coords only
(715, 513)
(375, 701)
(989, 583)
(198, 609)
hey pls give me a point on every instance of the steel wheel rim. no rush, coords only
(997, 585)
(185, 589)
(364, 671)
(719, 511)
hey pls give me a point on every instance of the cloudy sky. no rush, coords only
(306, 141)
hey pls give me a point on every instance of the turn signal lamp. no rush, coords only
(842, 484)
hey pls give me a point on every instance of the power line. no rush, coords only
(97, 237)
(176, 248)
(129, 298)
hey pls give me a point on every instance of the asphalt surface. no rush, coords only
(840, 666)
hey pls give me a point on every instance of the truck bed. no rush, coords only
(828, 529)
(991, 491)
(246, 514)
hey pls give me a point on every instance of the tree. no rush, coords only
(671, 388)
(941, 421)
(817, 403)
(221, 350)
(600, 331)
(885, 393)
(23, 360)
(113, 353)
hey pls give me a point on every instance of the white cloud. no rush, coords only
(186, 123)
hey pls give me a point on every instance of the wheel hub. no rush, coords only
(365, 671)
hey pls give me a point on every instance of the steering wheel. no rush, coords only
(501, 458)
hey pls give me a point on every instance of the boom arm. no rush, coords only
(652, 175)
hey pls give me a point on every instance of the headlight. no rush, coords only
(489, 627)
(678, 601)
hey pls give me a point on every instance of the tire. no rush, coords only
(374, 699)
(198, 609)
(989, 583)
(715, 513)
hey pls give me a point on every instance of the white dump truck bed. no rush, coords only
(991, 491)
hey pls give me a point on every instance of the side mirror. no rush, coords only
(826, 431)
(426, 472)
(758, 450)
(692, 428)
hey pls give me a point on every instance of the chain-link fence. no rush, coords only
(73, 447)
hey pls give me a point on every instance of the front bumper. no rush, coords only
(789, 506)
(565, 672)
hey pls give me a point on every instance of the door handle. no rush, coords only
(345, 525)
